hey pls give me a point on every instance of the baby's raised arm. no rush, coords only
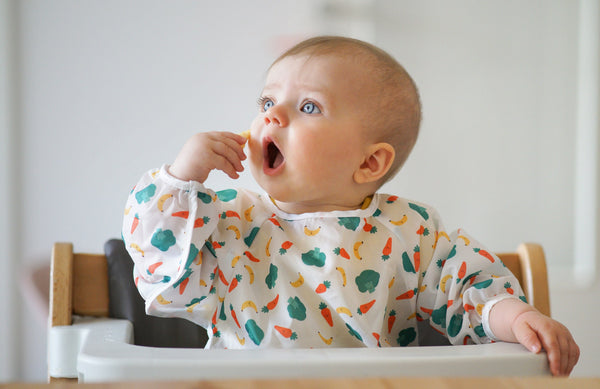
(206, 151)
(512, 320)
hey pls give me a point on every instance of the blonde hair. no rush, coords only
(398, 115)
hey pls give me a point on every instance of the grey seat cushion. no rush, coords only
(126, 303)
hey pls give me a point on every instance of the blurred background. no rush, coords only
(94, 93)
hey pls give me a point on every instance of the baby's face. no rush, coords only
(310, 136)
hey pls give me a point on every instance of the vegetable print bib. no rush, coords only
(255, 277)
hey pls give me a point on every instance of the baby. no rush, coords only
(321, 259)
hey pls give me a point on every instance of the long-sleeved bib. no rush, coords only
(255, 276)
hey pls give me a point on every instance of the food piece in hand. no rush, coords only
(246, 134)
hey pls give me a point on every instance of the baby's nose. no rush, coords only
(274, 120)
(276, 115)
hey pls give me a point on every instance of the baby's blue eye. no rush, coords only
(267, 104)
(310, 108)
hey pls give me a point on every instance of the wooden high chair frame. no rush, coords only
(79, 282)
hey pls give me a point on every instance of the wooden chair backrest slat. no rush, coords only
(90, 285)
(79, 285)
(512, 261)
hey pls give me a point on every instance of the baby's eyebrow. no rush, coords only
(273, 85)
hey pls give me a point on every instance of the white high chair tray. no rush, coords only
(101, 350)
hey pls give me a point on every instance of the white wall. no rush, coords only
(8, 143)
(108, 89)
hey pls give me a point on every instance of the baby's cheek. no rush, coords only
(254, 154)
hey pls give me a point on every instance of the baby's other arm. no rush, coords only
(206, 151)
(512, 320)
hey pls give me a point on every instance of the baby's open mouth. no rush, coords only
(272, 155)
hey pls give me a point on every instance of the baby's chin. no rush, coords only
(276, 191)
(267, 183)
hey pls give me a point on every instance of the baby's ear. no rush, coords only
(378, 160)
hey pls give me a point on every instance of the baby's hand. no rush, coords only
(536, 331)
(206, 151)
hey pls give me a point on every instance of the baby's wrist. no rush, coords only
(522, 315)
(183, 173)
(504, 315)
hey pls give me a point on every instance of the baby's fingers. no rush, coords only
(555, 356)
(231, 153)
(236, 142)
(528, 337)
(223, 164)
(563, 352)
(573, 356)
(555, 339)
(226, 160)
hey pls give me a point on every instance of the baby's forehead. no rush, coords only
(323, 71)
(341, 54)
(321, 64)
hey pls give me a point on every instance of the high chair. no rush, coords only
(85, 343)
